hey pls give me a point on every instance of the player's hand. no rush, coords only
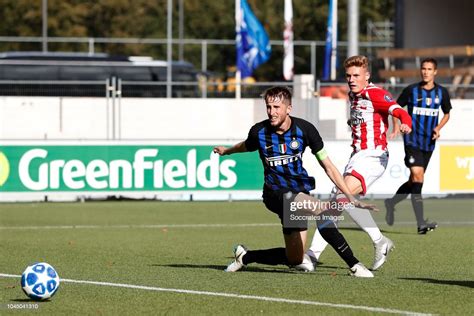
(405, 129)
(367, 206)
(219, 150)
(435, 134)
(394, 134)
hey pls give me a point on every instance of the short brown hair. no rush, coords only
(277, 91)
(430, 60)
(357, 61)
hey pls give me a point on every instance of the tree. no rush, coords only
(204, 19)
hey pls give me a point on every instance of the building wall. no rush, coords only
(36, 118)
(431, 23)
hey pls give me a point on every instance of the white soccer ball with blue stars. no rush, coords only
(40, 281)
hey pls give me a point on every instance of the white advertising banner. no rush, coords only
(451, 168)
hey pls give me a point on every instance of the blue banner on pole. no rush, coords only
(328, 48)
(253, 44)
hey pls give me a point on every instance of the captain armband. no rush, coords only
(322, 154)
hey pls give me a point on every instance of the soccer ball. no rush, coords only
(40, 281)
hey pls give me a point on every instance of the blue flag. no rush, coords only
(329, 68)
(253, 45)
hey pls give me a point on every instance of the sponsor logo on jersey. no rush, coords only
(356, 117)
(282, 160)
(424, 111)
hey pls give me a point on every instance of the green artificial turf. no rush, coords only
(172, 246)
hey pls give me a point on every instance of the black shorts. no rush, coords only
(274, 201)
(415, 157)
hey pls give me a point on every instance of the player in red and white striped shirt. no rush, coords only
(369, 117)
(370, 107)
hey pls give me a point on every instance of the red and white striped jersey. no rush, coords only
(369, 117)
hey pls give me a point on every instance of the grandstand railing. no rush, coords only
(210, 89)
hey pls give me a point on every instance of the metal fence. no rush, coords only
(308, 49)
(206, 85)
(198, 89)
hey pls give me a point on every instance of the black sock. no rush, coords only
(271, 256)
(333, 237)
(402, 192)
(417, 202)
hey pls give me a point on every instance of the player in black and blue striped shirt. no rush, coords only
(424, 101)
(281, 141)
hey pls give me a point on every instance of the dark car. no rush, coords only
(81, 74)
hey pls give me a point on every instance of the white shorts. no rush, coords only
(367, 165)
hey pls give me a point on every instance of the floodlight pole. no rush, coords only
(353, 28)
(169, 48)
(45, 25)
(238, 77)
(334, 40)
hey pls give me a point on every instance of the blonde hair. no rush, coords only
(357, 61)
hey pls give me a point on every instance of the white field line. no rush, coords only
(238, 296)
(140, 226)
(158, 226)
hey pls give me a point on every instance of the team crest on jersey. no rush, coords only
(388, 98)
(294, 144)
(282, 148)
(436, 100)
(428, 101)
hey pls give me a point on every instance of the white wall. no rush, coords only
(337, 110)
(92, 118)
(53, 118)
(39, 118)
(186, 119)
(461, 118)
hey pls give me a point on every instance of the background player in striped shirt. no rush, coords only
(281, 141)
(423, 101)
(370, 107)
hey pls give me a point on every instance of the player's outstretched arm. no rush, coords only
(237, 148)
(405, 119)
(395, 129)
(335, 176)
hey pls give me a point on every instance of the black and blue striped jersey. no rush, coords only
(282, 154)
(423, 107)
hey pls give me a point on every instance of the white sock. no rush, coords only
(318, 244)
(364, 219)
